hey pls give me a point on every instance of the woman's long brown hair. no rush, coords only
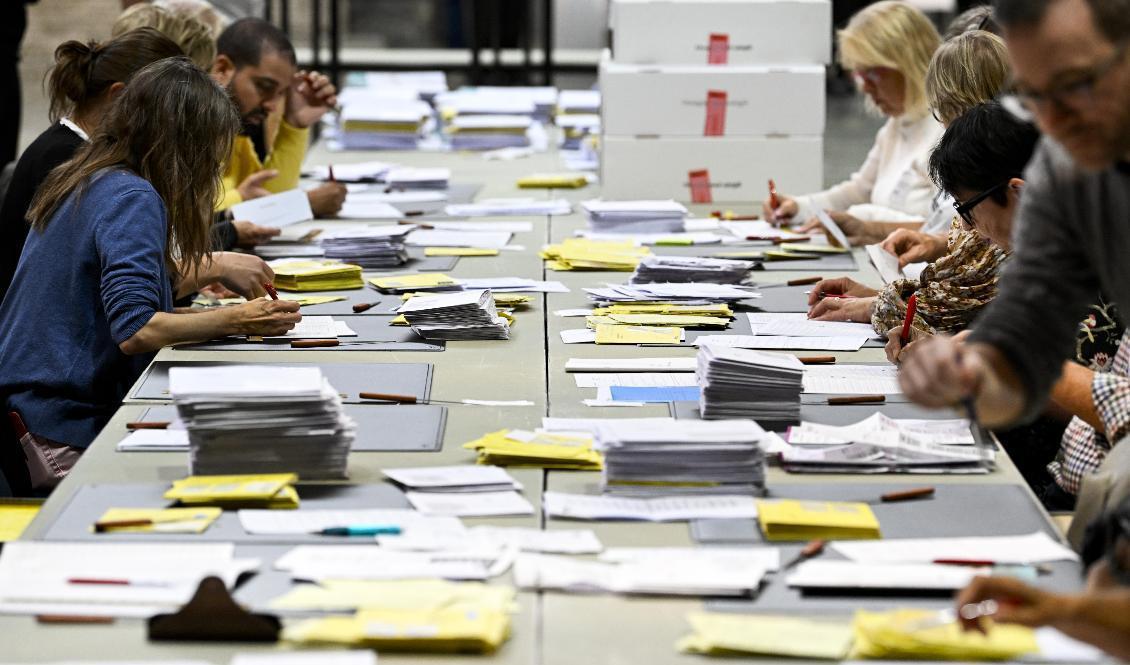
(172, 126)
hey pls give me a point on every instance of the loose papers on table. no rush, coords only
(651, 576)
(369, 247)
(690, 269)
(635, 216)
(661, 509)
(455, 316)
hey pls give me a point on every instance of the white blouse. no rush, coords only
(895, 174)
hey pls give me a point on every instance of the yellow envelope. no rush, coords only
(909, 634)
(547, 451)
(459, 251)
(789, 519)
(454, 629)
(317, 275)
(423, 280)
(273, 490)
(727, 634)
(164, 520)
(553, 181)
(16, 515)
(616, 334)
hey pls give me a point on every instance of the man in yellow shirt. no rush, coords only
(256, 63)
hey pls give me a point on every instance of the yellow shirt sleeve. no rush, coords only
(287, 155)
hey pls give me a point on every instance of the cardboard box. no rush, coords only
(739, 168)
(758, 32)
(672, 100)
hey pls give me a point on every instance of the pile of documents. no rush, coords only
(510, 206)
(262, 419)
(571, 102)
(489, 132)
(687, 294)
(456, 316)
(882, 429)
(690, 269)
(382, 122)
(683, 456)
(738, 383)
(269, 491)
(462, 491)
(887, 454)
(657, 509)
(369, 247)
(719, 310)
(575, 128)
(525, 448)
(316, 275)
(585, 254)
(422, 281)
(635, 216)
(912, 634)
(405, 178)
(729, 634)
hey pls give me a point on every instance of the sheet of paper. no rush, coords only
(450, 476)
(768, 558)
(885, 263)
(557, 541)
(368, 210)
(805, 328)
(654, 394)
(824, 574)
(764, 342)
(443, 238)
(319, 327)
(300, 522)
(319, 657)
(485, 226)
(613, 334)
(540, 571)
(255, 380)
(622, 365)
(835, 233)
(663, 509)
(634, 379)
(275, 210)
(1035, 547)
(852, 379)
(470, 504)
(366, 562)
(154, 440)
(585, 311)
(578, 336)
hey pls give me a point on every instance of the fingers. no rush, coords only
(894, 345)
(259, 177)
(832, 286)
(810, 226)
(940, 373)
(832, 309)
(1016, 602)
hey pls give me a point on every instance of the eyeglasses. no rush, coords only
(965, 210)
(1074, 94)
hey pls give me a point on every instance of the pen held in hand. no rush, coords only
(270, 288)
(911, 310)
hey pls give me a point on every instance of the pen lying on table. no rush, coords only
(858, 399)
(390, 398)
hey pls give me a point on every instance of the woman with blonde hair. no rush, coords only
(195, 37)
(887, 46)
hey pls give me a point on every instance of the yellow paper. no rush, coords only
(616, 334)
(514, 300)
(423, 280)
(913, 635)
(348, 595)
(306, 301)
(259, 490)
(537, 450)
(459, 251)
(585, 254)
(317, 275)
(165, 520)
(553, 181)
(16, 515)
(726, 634)
(812, 249)
(789, 519)
(719, 310)
(455, 629)
(676, 320)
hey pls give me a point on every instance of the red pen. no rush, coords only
(911, 309)
(774, 200)
(965, 562)
(271, 290)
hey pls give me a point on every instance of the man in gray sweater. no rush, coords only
(1072, 76)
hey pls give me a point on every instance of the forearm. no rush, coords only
(287, 155)
(173, 328)
(193, 278)
(1100, 618)
(1072, 393)
(877, 231)
(1000, 397)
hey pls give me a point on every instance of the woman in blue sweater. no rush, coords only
(91, 300)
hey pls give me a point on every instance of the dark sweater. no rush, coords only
(50, 149)
(86, 283)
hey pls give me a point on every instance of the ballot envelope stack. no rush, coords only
(456, 316)
(669, 292)
(376, 122)
(655, 268)
(370, 247)
(740, 383)
(635, 216)
(489, 132)
(682, 457)
(254, 419)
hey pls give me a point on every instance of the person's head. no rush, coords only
(193, 36)
(980, 162)
(1071, 73)
(201, 10)
(87, 77)
(887, 46)
(968, 70)
(173, 126)
(974, 18)
(255, 62)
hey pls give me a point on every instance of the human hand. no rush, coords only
(857, 310)
(310, 96)
(840, 286)
(942, 372)
(249, 234)
(914, 246)
(252, 185)
(243, 273)
(326, 199)
(1015, 602)
(785, 211)
(896, 351)
(218, 291)
(265, 317)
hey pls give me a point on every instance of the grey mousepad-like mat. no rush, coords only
(373, 334)
(382, 304)
(740, 326)
(780, 299)
(417, 262)
(349, 379)
(380, 427)
(829, 263)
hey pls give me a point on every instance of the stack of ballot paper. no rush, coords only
(575, 128)
(460, 628)
(635, 216)
(157, 520)
(525, 448)
(717, 310)
(690, 269)
(913, 634)
(671, 293)
(730, 634)
(405, 178)
(882, 429)
(269, 491)
(383, 122)
(453, 478)
(577, 101)
(737, 383)
(316, 275)
(683, 457)
(789, 519)
(455, 316)
(424, 281)
(585, 254)
(660, 575)
(369, 247)
(878, 446)
(423, 85)
(488, 132)
(262, 419)
(504, 207)
(657, 509)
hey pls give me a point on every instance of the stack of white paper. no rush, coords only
(518, 206)
(383, 122)
(423, 85)
(369, 247)
(318, 327)
(849, 575)
(888, 454)
(465, 478)
(852, 379)
(658, 576)
(738, 383)
(354, 173)
(654, 268)
(418, 178)
(454, 316)
(659, 509)
(1032, 548)
(882, 429)
(689, 293)
(635, 216)
(154, 440)
(459, 238)
(262, 419)
(683, 457)
(536, 101)
(489, 132)
(365, 562)
(570, 102)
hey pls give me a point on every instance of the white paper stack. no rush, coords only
(454, 316)
(489, 132)
(384, 122)
(576, 127)
(571, 102)
(257, 419)
(655, 268)
(683, 457)
(739, 383)
(417, 178)
(534, 101)
(508, 206)
(467, 478)
(684, 294)
(635, 216)
(369, 247)
(645, 576)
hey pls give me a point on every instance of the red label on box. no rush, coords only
(715, 113)
(719, 51)
(700, 186)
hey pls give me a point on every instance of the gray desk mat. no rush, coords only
(417, 262)
(374, 331)
(956, 510)
(347, 378)
(741, 326)
(829, 262)
(457, 192)
(385, 304)
(91, 501)
(413, 428)
(780, 299)
(834, 414)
